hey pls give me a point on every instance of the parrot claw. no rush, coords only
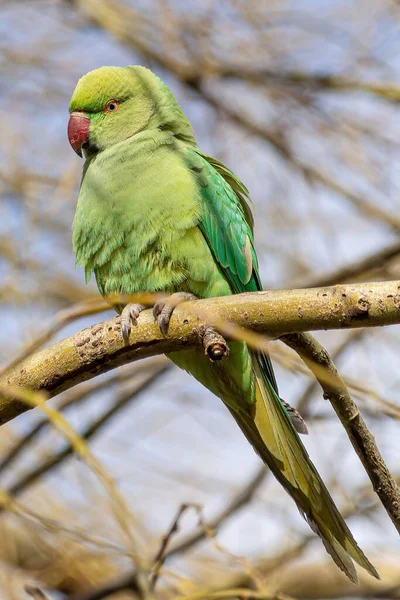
(163, 309)
(129, 317)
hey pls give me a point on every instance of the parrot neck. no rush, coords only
(168, 116)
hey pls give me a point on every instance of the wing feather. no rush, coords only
(227, 226)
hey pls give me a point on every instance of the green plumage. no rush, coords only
(156, 214)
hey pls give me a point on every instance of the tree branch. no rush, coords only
(100, 348)
(320, 363)
(303, 401)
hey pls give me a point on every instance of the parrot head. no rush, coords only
(112, 104)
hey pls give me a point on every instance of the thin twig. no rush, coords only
(79, 446)
(239, 500)
(161, 555)
(386, 90)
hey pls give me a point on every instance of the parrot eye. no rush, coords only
(111, 106)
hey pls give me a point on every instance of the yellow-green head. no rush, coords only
(111, 104)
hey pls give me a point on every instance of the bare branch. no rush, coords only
(353, 336)
(161, 555)
(35, 592)
(121, 22)
(320, 363)
(100, 348)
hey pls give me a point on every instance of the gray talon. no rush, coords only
(125, 333)
(162, 310)
(164, 316)
(129, 317)
(134, 311)
(157, 309)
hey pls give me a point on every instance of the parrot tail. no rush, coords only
(270, 431)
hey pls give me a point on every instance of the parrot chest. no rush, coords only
(136, 226)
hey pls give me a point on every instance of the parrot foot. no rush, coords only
(129, 315)
(215, 347)
(163, 309)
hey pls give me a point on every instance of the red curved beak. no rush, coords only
(78, 131)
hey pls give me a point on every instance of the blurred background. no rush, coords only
(300, 99)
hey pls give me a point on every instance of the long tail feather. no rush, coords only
(272, 434)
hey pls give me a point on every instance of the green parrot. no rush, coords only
(155, 214)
